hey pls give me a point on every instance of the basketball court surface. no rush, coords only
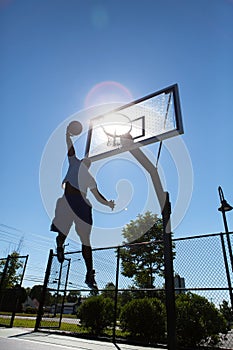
(27, 339)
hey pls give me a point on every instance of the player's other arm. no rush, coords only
(100, 198)
(70, 146)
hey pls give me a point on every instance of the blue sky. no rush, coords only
(57, 59)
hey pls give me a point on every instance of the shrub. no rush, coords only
(198, 321)
(144, 319)
(12, 299)
(96, 314)
(227, 312)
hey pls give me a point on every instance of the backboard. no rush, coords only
(150, 119)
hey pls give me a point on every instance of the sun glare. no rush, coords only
(117, 125)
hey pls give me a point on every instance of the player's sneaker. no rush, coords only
(90, 280)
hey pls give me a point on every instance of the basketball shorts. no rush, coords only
(73, 209)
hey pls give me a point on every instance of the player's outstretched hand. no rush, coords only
(111, 204)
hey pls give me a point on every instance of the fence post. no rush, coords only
(24, 268)
(21, 281)
(65, 289)
(58, 289)
(2, 280)
(44, 290)
(116, 295)
(169, 275)
(227, 269)
(165, 207)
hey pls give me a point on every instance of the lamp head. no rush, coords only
(225, 206)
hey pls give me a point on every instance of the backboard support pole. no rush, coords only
(165, 207)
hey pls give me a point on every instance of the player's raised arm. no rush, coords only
(70, 146)
(73, 129)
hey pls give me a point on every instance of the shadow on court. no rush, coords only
(27, 339)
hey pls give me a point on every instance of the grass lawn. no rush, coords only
(53, 324)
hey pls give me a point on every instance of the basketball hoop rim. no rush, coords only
(120, 123)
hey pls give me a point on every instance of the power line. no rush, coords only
(11, 227)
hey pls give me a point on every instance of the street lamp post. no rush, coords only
(224, 208)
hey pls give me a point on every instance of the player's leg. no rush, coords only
(83, 225)
(82, 217)
(84, 231)
(61, 224)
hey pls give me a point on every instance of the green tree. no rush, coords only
(125, 296)
(109, 291)
(198, 321)
(143, 261)
(227, 312)
(73, 296)
(14, 271)
(28, 290)
(12, 299)
(36, 293)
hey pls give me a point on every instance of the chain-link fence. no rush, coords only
(203, 286)
(205, 264)
(12, 295)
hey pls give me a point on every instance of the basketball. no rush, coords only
(75, 128)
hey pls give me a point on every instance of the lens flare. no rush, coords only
(107, 92)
